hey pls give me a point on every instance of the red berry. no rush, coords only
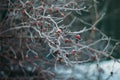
(58, 31)
(23, 11)
(15, 10)
(8, 10)
(26, 57)
(67, 55)
(73, 52)
(38, 23)
(77, 36)
(57, 11)
(50, 9)
(41, 8)
(20, 5)
(66, 40)
(100, 70)
(57, 52)
(36, 57)
(43, 29)
(27, 2)
(76, 40)
(66, 6)
(59, 59)
(62, 15)
(93, 29)
(94, 58)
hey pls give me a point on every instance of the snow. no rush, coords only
(89, 71)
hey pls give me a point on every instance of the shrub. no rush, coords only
(39, 36)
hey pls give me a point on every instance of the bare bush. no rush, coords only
(39, 36)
